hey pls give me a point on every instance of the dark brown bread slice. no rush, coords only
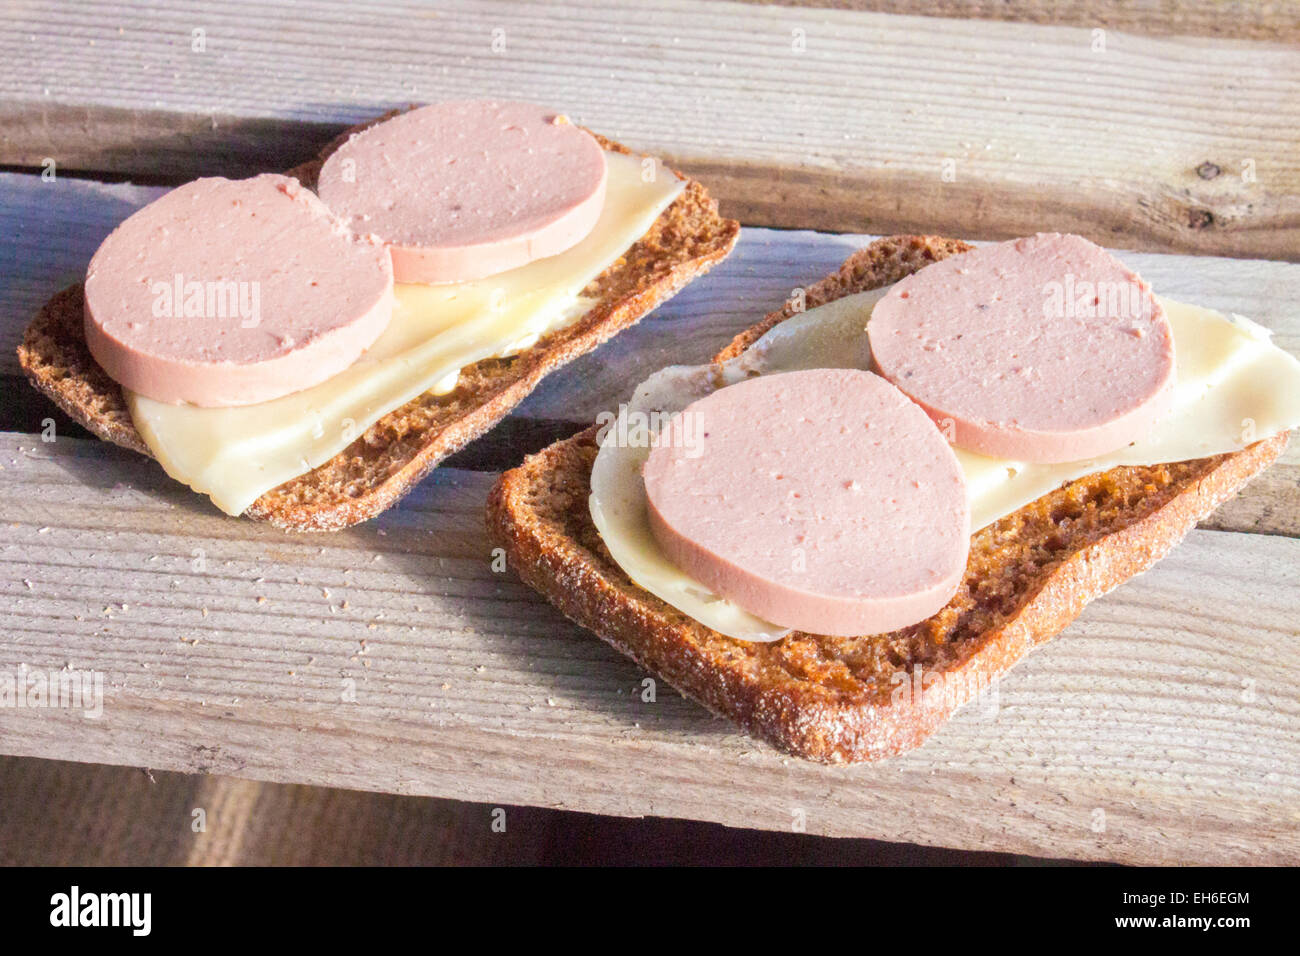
(385, 462)
(839, 700)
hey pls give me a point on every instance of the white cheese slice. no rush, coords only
(1234, 388)
(235, 455)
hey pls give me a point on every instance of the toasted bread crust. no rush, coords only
(391, 457)
(840, 700)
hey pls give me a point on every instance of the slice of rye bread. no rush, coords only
(391, 456)
(844, 699)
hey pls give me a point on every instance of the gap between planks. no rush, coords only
(1237, 19)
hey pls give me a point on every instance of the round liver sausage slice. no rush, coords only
(464, 190)
(1044, 349)
(232, 292)
(820, 500)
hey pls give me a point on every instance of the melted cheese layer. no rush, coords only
(1234, 388)
(235, 455)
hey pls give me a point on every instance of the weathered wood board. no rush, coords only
(1163, 726)
(795, 117)
(1278, 22)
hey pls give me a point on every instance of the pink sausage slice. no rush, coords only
(821, 500)
(1045, 349)
(230, 292)
(464, 190)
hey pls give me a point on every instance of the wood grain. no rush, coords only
(1277, 22)
(832, 119)
(1163, 716)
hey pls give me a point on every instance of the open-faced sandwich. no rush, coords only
(863, 512)
(305, 357)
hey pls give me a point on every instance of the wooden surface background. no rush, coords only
(1163, 727)
(809, 118)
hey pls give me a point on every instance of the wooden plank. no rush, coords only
(1162, 727)
(831, 119)
(60, 223)
(1237, 19)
